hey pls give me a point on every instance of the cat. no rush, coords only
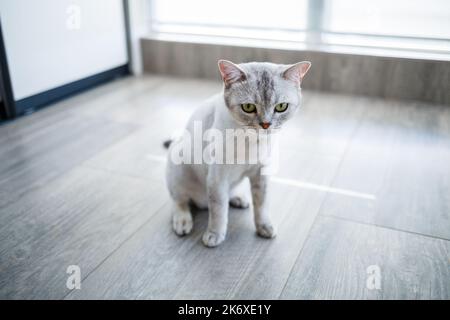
(256, 95)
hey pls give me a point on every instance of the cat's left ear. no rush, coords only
(297, 71)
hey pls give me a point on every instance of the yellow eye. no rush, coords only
(281, 107)
(248, 107)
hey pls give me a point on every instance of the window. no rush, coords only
(267, 14)
(421, 25)
(400, 18)
(230, 18)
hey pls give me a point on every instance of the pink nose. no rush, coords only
(265, 125)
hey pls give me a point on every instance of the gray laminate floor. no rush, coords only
(362, 201)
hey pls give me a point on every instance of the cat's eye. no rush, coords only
(281, 107)
(248, 107)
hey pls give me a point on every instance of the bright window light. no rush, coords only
(266, 14)
(414, 25)
(403, 18)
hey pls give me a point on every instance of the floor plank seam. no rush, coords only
(113, 144)
(118, 247)
(195, 243)
(121, 174)
(298, 256)
(384, 227)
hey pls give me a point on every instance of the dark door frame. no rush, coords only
(8, 105)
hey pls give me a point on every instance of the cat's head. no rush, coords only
(262, 95)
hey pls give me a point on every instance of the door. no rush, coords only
(55, 48)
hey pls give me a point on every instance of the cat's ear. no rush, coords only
(230, 72)
(297, 72)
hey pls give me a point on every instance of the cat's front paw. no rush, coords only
(212, 239)
(266, 230)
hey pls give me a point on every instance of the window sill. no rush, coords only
(346, 46)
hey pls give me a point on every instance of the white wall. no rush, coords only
(50, 43)
(139, 12)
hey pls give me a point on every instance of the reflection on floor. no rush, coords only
(362, 202)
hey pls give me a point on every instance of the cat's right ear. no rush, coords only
(230, 72)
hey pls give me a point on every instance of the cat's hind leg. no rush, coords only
(179, 184)
(239, 195)
(239, 202)
(182, 220)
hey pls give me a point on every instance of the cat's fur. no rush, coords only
(215, 186)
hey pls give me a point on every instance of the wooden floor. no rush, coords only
(364, 185)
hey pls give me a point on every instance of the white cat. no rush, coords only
(256, 96)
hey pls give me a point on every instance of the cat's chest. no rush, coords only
(235, 173)
(251, 148)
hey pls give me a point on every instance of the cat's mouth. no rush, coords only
(261, 129)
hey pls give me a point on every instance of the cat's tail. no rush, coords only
(167, 143)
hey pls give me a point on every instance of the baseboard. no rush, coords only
(45, 98)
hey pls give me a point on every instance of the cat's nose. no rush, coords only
(265, 125)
